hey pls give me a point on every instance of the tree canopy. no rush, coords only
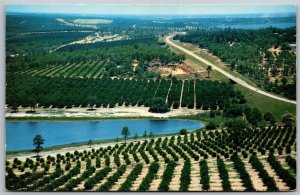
(38, 141)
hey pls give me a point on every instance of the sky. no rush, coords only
(152, 9)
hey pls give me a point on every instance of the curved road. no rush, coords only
(225, 73)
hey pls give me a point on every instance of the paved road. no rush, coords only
(225, 73)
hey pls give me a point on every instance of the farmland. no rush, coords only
(69, 92)
(221, 160)
(220, 101)
(92, 21)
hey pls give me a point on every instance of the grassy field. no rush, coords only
(92, 21)
(266, 104)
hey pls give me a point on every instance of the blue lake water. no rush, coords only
(261, 25)
(19, 135)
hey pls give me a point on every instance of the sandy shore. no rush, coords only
(120, 111)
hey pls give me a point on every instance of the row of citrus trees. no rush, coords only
(67, 92)
(64, 172)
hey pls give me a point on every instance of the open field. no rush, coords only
(184, 163)
(92, 21)
(266, 104)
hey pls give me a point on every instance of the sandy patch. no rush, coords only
(120, 111)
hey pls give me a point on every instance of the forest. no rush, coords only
(248, 52)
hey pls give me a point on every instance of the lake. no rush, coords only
(259, 26)
(19, 135)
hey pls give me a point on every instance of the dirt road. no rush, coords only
(225, 73)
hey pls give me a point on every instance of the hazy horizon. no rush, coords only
(157, 10)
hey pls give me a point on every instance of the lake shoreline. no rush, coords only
(82, 146)
(98, 137)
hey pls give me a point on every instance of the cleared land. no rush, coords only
(92, 21)
(120, 111)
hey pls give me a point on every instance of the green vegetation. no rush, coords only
(208, 70)
(167, 176)
(158, 105)
(266, 104)
(149, 177)
(125, 133)
(38, 141)
(107, 92)
(224, 175)
(258, 166)
(247, 52)
(282, 173)
(109, 62)
(66, 173)
(240, 167)
(288, 119)
(131, 177)
(185, 178)
(204, 175)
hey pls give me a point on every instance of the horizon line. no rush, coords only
(155, 14)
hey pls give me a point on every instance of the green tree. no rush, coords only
(211, 125)
(145, 135)
(232, 66)
(31, 103)
(212, 114)
(14, 107)
(288, 119)
(158, 105)
(236, 124)
(183, 132)
(175, 105)
(208, 70)
(255, 116)
(269, 117)
(90, 142)
(125, 133)
(38, 141)
(284, 80)
(92, 102)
